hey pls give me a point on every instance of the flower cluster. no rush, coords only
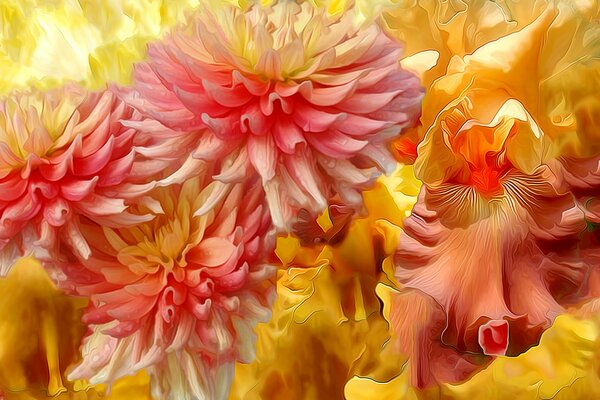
(300, 199)
(158, 202)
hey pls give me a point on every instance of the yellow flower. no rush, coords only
(542, 54)
(433, 32)
(41, 331)
(47, 42)
(326, 324)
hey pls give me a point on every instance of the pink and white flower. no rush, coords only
(308, 101)
(178, 295)
(64, 154)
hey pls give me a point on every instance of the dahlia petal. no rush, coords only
(327, 96)
(267, 104)
(194, 104)
(223, 127)
(96, 316)
(201, 310)
(302, 170)
(40, 139)
(162, 54)
(377, 76)
(211, 146)
(236, 170)
(101, 108)
(190, 167)
(76, 190)
(12, 188)
(354, 48)
(219, 190)
(149, 286)
(212, 252)
(9, 254)
(8, 157)
(312, 120)
(334, 79)
(76, 240)
(270, 64)
(287, 135)
(24, 209)
(263, 155)
(280, 212)
(150, 126)
(56, 171)
(136, 306)
(228, 97)
(253, 119)
(335, 144)
(381, 157)
(123, 329)
(355, 125)
(101, 206)
(93, 163)
(118, 170)
(97, 138)
(185, 329)
(57, 212)
(235, 280)
(363, 103)
(94, 355)
(118, 275)
(255, 87)
(130, 190)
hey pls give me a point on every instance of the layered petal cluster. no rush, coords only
(307, 101)
(64, 154)
(178, 295)
(500, 243)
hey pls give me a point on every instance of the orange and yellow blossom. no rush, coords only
(496, 247)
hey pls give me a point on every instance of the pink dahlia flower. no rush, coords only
(178, 295)
(308, 101)
(63, 154)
